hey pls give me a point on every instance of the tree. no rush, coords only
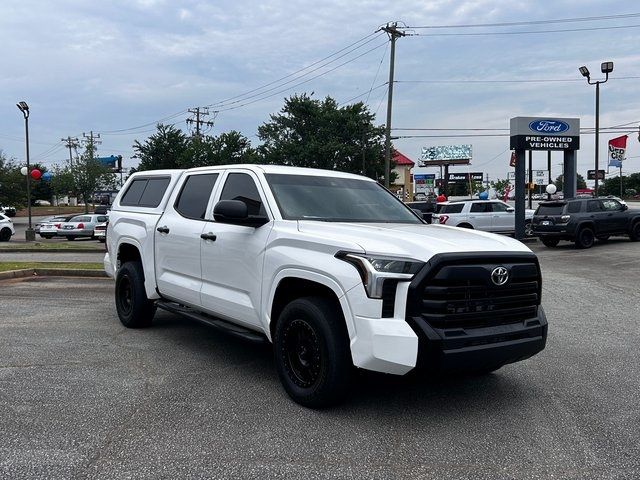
(89, 175)
(611, 186)
(169, 147)
(13, 185)
(320, 134)
(500, 186)
(580, 182)
(163, 149)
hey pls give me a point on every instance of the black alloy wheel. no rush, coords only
(585, 238)
(311, 351)
(303, 360)
(134, 309)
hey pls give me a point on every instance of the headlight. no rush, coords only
(374, 269)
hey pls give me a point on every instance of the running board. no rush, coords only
(222, 325)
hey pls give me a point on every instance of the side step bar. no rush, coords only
(222, 325)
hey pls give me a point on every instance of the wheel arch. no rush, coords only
(130, 250)
(292, 284)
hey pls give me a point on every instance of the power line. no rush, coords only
(303, 82)
(384, 54)
(200, 124)
(363, 94)
(294, 73)
(246, 97)
(532, 22)
(526, 32)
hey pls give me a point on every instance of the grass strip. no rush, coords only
(7, 266)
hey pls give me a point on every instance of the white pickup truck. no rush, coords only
(329, 267)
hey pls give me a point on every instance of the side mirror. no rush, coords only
(625, 207)
(235, 212)
(511, 209)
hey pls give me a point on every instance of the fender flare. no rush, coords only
(312, 276)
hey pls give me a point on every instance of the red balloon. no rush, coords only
(441, 198)
(36, 174)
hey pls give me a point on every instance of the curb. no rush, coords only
(50, 250)
(52, 272)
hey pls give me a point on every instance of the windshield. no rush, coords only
(331, 199)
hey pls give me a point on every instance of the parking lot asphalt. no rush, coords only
(83, 397)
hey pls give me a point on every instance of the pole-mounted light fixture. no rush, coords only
(606, 68)
(30, 234)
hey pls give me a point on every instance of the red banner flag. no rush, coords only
(512, 162)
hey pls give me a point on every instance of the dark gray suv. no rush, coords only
(583, 220)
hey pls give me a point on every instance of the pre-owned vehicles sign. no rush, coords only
(531, 133)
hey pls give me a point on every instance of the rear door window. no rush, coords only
(480, 207)
(574, 207)
(194, 196)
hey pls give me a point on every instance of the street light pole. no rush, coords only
(606, 68)
(29, 234)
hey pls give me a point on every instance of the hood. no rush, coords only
(420, 242)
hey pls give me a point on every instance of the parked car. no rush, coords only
(8, 211)
(583, 220)
(42, 203)
(6, 228)
(487, 215)
(101, 210)
(49, 227)
(100, 232)
(81, 226)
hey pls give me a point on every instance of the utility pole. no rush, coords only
(393, 32)
(200, 112)
(70, 143)
(91, 142)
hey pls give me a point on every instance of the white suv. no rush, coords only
(488, 215)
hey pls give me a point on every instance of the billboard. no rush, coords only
(445, 153)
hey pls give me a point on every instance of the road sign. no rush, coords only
(591, 174)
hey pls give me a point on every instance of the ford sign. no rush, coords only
(549, 126)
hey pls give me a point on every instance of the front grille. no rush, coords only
(462, 294)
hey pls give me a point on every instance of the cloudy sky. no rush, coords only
(117, 67)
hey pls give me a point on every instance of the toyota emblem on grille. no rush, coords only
(500, 275)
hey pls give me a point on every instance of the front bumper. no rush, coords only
(487, 348)
(108, 266)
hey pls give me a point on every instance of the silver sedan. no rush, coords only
(81, 226)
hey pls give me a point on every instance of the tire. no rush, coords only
(528, 229)
(311, 351)
(585, 238)
(134, 309)
(48, 237)
(550, 242)
(5, 235)
(634, 235)
(71, 239)
(102, 240)
(603, 238)
(465, 225)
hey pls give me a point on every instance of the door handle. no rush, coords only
(163, 229)
(208, 236)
